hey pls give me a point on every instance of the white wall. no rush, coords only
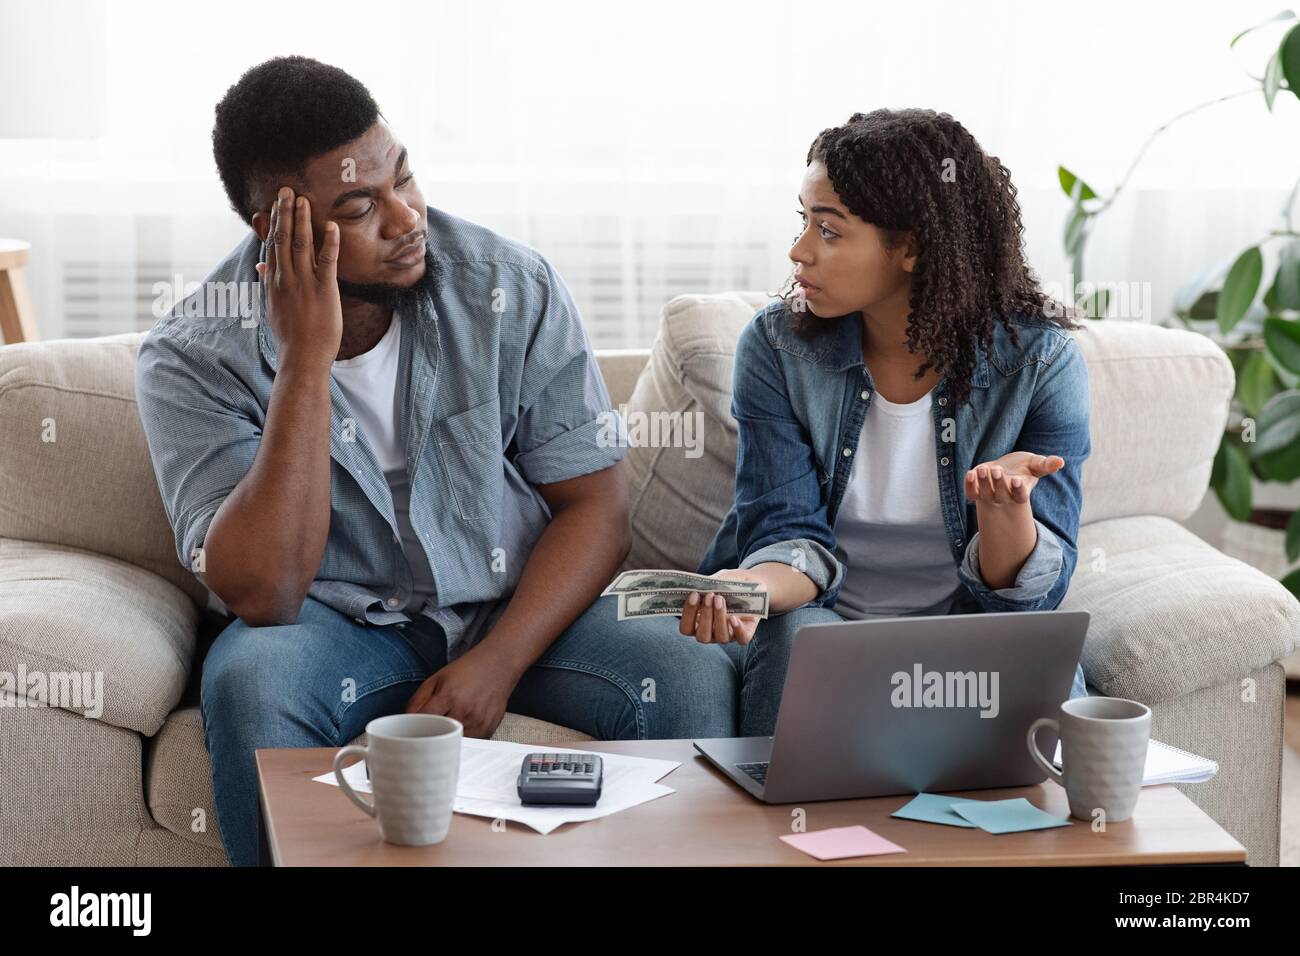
(614, 136)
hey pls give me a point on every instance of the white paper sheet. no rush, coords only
(489, 771)
(1166, 764)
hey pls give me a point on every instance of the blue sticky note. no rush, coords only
(931, 808)
(1007, 816)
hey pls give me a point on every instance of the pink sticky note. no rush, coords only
(837, 843)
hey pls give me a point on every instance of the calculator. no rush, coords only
(554, 779)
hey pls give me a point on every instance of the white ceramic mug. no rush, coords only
(414, 762)
(1103, 754)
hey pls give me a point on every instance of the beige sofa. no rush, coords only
(89, 580)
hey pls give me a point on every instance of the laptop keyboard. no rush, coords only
(756, 770)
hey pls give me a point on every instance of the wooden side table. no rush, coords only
(17, 323)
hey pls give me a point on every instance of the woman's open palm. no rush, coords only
(1011, 478)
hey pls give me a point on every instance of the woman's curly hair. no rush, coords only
(922, 172)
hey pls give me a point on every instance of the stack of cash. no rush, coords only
(653, 593)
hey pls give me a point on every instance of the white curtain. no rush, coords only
(645, 149)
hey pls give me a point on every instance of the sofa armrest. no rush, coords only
(1170, 614)
(92, 635)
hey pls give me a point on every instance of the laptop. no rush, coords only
(910, 705)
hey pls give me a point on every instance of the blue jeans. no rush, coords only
(764, 660)
(319, 681)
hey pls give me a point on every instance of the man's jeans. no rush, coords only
(318, 682)
(763, 662)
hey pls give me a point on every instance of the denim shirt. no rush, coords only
(799, 405)
(498, 390)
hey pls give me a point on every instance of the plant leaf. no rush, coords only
(1230, 479)
(1095, 304)
(1276, 449)
(1282, 339)
(1292, 582)
(1206, 307)
(1239, 288)
(1272, 79)
(1068, 179)
(1283, 15)
(1289, 53)
(1288, 378)
(1256, 383)
(1293, 537)
(1286, 285)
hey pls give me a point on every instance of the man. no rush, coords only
(394, 476)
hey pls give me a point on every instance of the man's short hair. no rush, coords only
(279, 116)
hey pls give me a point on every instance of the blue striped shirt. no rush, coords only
(498, 392)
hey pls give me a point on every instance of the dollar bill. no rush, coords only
(672, 601)
(663, 580)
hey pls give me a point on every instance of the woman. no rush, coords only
(913, 413)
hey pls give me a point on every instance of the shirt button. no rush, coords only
(943, 401)
(865, 393)
(943, 461)
(958, 542)
(847, 452)
(392, 602)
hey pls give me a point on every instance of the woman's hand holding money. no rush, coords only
(706, 619)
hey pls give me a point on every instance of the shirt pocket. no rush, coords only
(469, 445)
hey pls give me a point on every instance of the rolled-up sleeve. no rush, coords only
(200, 442)
(780, 514)
(566, 424)
(803, 554)
(1057, 424)
(1034, 580)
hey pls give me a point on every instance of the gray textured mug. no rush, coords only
(1103, 754)
(414, 763)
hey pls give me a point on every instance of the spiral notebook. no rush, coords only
(1166, 764)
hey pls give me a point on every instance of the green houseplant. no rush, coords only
(1250, 305)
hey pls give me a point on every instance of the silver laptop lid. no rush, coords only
(911, 704)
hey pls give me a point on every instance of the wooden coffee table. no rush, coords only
(710, 821)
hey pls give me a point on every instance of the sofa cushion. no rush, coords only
(1160, 400)
(72, 794)
(1171, 614)
(678, 501)
(69, 611)
(620, 368)
(178, 779)
(75, 469)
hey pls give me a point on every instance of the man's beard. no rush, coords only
(396, 297)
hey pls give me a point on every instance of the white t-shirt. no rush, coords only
(889, 523)
(369, 380)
